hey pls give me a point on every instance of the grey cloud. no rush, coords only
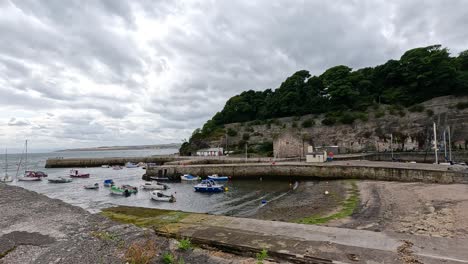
(202, 54)
(17, 122)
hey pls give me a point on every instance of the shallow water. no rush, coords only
(242, 198)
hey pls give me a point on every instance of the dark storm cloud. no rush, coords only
(174, 63)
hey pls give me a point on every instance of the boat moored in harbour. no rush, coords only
(76, 174)
(189, 177)
(131, 165)
(119, 191)
(109, 183)
(216, 177)
(208, 186)
(160, 196)
(154, 185)
(92, 186)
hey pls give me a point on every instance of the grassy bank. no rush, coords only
(144, 217)
(347, 208)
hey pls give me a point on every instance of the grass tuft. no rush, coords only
(185, 244)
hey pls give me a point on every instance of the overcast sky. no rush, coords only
(80, 73)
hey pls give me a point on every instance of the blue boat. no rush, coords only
(209, 186)
(216, 177)
(108, 183)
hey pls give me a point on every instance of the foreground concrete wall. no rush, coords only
(298, 171)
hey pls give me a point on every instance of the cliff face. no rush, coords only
(411, 130)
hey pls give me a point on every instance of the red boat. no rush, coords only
(76, 174)
(35, 174)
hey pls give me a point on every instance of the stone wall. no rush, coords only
(298, 171)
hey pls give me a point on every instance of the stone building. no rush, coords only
(290, 144)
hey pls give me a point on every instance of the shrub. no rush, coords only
(429, 112)
(185, 244)
(347, 118)
(296, 118)
(462, 105)
(379, 114)
(261, 256)
(308, 123)
(249, 129)
(294, 125)
(168, 258)
(231, 132)
(416, 108)
(362, 116)
(401, 113)
(329, 121)
(245, 136)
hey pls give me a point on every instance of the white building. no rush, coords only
(315, 156)
(210, 152)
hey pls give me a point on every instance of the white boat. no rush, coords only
(117, 167)
(154, 186)
(159, 196)
(216, 177)
(130, 165)
(189, 177)
(6, 177)
(105, 166)
(92, 186)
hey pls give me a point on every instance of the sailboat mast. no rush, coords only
(26, 156)
(450, 144)
(6, 162)
(445, 145)
(435, 144)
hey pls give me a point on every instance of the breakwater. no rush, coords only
(366, 170)
(159, 159)
(97, 162)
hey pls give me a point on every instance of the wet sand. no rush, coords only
(308, 199)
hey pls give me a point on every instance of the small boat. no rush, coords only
(154, 186)
(141, 164)
(108, 183)
(105, 166)
(38, 174)
(59, 180)
(92, 186)
(161, 179)
(159, 196)
(208, 186)
(29, 179)
(119, 191)
(129, 188)
(189, 177)
(130, 165)
(75, 174)
(216, 177)
(117, 167)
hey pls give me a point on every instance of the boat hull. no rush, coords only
(80, 176)
(209, 189)
(29, 179)
(222, 178)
